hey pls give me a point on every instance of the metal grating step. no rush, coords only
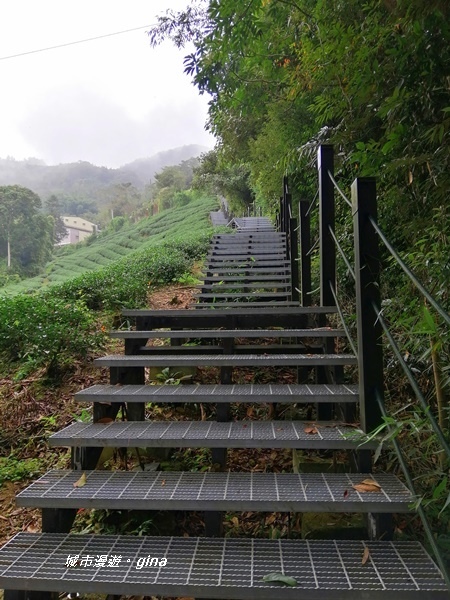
(239, 235)
(272, 255)
(220, 568)
(170, 490)
(211, 434)
(226, 360)
(246, 272)
(223, 247)
(242, 279)
(256, 295)
(253, 393)
(319, 332)
(253, 305)
(219, 285)
(247, 263)
(232, 318)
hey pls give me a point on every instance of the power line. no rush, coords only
(98, 37)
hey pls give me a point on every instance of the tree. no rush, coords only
(216, 175)
(370, 78)
(18, 208)
(53, 208)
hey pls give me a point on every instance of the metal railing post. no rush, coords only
(305, 257)
(293, 245)
(325, 164)
(367, 271)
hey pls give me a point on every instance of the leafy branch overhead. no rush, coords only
(373, 76)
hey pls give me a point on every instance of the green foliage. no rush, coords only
(46, 331)
(217, 175)
(110, 246)
(371, 78)
(26, 236)
(13, 469)
(126, 282)
(171, 187)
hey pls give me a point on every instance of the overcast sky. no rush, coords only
(107, 101)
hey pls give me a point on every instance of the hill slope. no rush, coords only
(99, 252)
(83, 178)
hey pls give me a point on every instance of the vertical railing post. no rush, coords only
(293, 245)
(367, 271)
(305, 257)
(281, 212)
(325, 164)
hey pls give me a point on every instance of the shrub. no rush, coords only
(46, 332)
(125, 283)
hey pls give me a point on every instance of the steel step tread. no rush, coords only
(257, 294)
(246, 271)
(247, 247)
(232, 286)
(225, 360)
(255, 237)
(252, 393)
(242, 279)
(243, 263)
(274, 310)
(253, 305)
(319, 332)
(230, 568)
(212, 434)
(226, 491)
(253, 256)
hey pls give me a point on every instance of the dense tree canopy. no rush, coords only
(372, 78)
(26, 235)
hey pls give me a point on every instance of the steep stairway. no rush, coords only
(246, 296)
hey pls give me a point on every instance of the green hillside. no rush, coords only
(99, 252)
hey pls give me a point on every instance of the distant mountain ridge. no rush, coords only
(84, 177)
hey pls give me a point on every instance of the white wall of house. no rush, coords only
(77, 230)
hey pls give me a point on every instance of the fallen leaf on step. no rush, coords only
(280, 578)
(163, 483)
(366, 487)
(345, 493)
(371, 482)
(311, 430)
(80, 482)
(365, 556)
(105, 420)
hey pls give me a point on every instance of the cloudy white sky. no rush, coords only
(107, 101)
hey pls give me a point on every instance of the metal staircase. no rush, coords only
(247, 294)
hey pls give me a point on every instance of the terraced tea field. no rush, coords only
(71, 261)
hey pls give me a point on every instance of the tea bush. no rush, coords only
(46, 332)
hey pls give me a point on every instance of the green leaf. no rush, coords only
(280, 578)
(447, 502)
(440, 488)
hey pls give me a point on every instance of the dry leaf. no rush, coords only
(365, 487)
(345, 493)
(235, 521)
(81, 482)
(371, 482)
(163, 483)
(105, 420)
(310, 430)
(365, 556)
